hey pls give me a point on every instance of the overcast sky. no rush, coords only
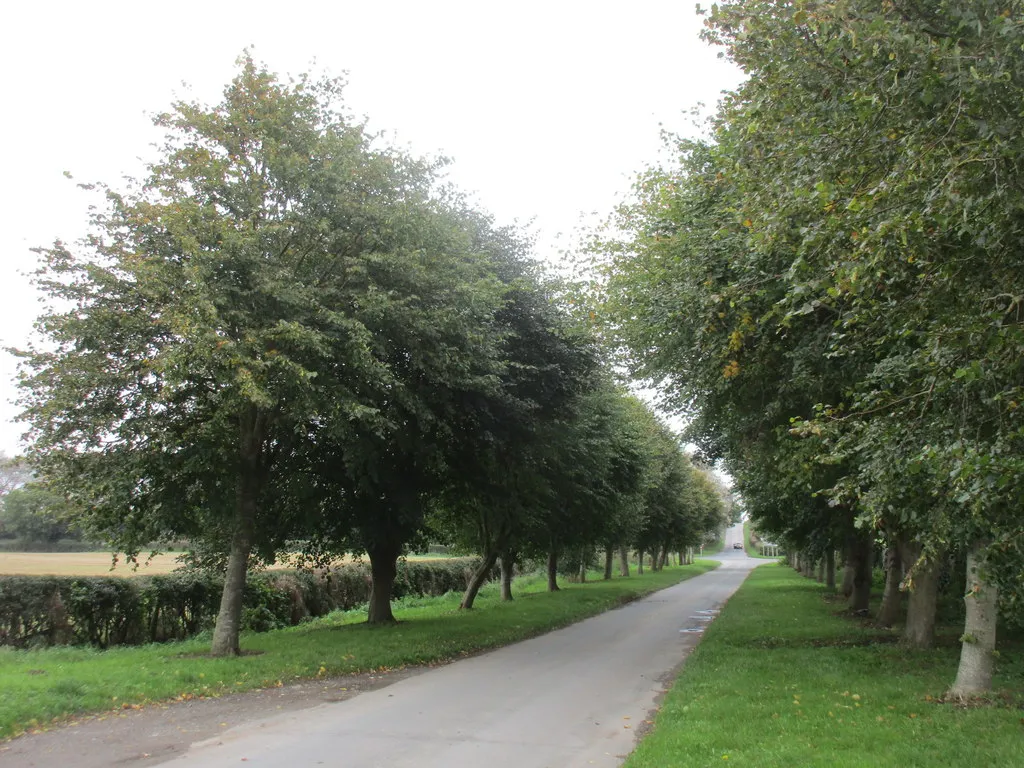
(547, 109)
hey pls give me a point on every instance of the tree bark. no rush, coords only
(849, 571)
(808, 566)
(860, 553)
(553, 570)
(584, 559)
(508, 562)
(640, 562)
(609, 558)
(478, 579)
(892, 598)
(830, 569)
(229, 618)
(821, 570)
(974, 675)
(923, 585)
(383, 570)
(664, 557)
(623, 561)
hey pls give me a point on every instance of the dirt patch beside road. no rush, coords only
(160, 731)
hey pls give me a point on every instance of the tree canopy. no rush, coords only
(291, 335)
(830, 284)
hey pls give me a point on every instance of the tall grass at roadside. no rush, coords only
(39, 687)
(781, 680)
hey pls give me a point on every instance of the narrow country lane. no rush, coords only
(574, 697)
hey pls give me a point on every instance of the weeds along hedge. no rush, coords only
(105, 610)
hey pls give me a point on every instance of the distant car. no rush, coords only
(737, 545)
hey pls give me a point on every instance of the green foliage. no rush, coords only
(108, 611)
(831, 281)
(35, 515)
(283, 314)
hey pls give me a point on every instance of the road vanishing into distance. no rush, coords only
(578, 696)
(573, 697)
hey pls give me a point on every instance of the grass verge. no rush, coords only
(781, 680)
(40, 687)
(752, 550)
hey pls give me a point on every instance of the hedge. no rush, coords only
(105, 610)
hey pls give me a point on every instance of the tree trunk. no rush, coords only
(584, 559)
(508, 562)
(553, 570)
(923, 585)
(830, 569)
(892, 598)
(478, 579)
(808, 566)
(229, 617)
(664, 557)
(849, 571)
(383, 569)
(974, 676)
(821, 570)
(860, 552)
(623, 562)
(640, 562)
(609, 558)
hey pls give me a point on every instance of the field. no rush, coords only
(80, 564)
(98, 564)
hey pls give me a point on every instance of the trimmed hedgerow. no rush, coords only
(104, 610)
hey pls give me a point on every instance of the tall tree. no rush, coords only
(225, 322)
(843, 251)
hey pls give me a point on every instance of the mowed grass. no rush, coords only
(781, 680)
(102, 564)
(41, 687)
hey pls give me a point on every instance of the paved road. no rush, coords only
(575, 697)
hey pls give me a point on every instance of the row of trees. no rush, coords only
(831, 284)
(290, 333)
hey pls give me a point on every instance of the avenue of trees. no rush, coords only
(289, 335)
(831, 283)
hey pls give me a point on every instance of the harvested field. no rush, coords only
(98, 564)
(79, 564)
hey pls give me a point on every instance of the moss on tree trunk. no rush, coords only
(923, 585)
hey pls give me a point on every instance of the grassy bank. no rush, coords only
(781, 680)
(39, 687)
(752, 549)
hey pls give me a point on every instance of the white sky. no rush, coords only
(548, 109)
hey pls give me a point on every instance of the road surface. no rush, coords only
(574, 697)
